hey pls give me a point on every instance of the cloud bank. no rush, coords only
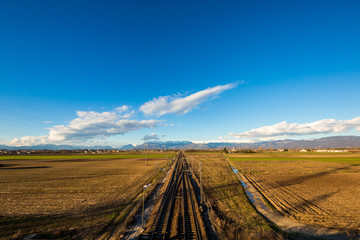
(284, 129)
(90, 125)
(182, 105)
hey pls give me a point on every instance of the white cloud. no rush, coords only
(30, 140)
(122, 108)
(182, 105)
(46, 122)
(90, 125)
(283, 129)
(152, 136)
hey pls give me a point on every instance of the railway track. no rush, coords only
(179, 215)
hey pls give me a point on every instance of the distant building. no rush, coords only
(330, 150)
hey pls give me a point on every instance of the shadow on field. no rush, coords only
(17, 168)
(312, 202)
(323, 197)
(231, 190)
(84, 223)
(64, 178)
(230, 196)
(300, 179)
(5, 165)
(84, 160)
(222, 186)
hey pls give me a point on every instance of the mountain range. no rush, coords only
(326, 142)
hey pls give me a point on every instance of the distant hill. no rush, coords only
(164, 145)
(127, 147)
(53, 147)
(326, 142)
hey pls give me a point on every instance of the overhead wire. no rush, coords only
(20, 123)
(10, 118)
(19, 115)
(12, 123)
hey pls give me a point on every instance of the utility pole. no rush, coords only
(201, 190)
(142, 215)
(145, 152)
(143, 205)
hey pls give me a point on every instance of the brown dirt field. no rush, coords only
(323, 194)
(296, 155)
(68, 197)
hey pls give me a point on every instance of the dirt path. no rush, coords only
(286, 224)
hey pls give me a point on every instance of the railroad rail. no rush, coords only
(178, 215)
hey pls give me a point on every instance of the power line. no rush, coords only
(6, 131)
(19, 115)
(19, 125)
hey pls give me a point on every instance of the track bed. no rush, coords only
(178, 215)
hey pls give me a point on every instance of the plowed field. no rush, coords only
(70, 196)
(322, 190)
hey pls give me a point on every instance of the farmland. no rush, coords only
(230, 211)
(320, 189)
(83, 196)
(77, 196)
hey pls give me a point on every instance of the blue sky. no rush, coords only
(185, 70)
